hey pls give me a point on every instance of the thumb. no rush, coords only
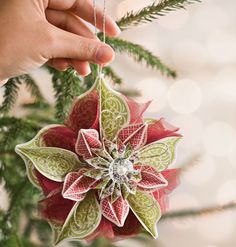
(68, 45)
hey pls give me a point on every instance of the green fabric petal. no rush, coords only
(159, 154)
(146, 209)
(83, 219)
(37, 141)
(114, 111)
(53, 163)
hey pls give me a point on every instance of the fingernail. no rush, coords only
(88, 71)
(104, 54)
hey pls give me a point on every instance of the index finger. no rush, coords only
(85, 10)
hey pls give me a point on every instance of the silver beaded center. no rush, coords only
(121, 170)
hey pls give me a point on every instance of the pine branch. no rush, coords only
(13, 129)
(67, 85)
(10, 95)
(199, 212)
(108, 71)
(11, 92)
(33, 87)
(141, 55)
(152, 12)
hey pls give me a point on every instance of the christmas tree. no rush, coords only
(67, 85)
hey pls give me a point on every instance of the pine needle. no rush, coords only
(67, 85)
(140, 54)
(10, 95)
(152, 12)
(199, 212)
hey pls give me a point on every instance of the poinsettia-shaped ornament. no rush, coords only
(105, 172)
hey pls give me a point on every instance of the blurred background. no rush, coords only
(200, 44)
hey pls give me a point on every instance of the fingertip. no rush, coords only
(81, 67)
(105, 54)
(112, 29)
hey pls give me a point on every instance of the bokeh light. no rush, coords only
(185, 96)
(153, 89)
(219, 138)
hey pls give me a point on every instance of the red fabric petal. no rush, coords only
(61, 137)
(135, 135)
(76, 185)
(88, 139)
(160, 129)
(84, 113)
(136, 110)
(46, 184)
(161, 195)
(115, 212)
(105, 230)
(131, 227)
(151, 179)
(55, 208)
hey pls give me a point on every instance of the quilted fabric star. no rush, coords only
(105, 172)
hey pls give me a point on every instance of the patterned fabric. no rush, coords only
(105, 172)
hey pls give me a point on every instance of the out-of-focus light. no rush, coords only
(232, 156)
(191, 128)
(192, 60)
(206, 20)
(174, 20)
(202, 172)
(219, 138)
(217, 228)
(131, 5)
(227, 192)
(185, 96)
(155, 90)
(223, 84)
(182, 201)
(222, 48)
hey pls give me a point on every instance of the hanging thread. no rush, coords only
(100, 68)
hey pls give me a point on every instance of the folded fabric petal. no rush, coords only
(135, 135)
(46, 184)
(136, 110)
(88, 139)
(151, 178)
(131, 227)
(161, 195)
(115, 212)
(84, 113)
(76, 185)
(61, 137)
(158, 129)
(55, 208)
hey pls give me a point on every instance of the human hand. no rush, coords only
(34, 32)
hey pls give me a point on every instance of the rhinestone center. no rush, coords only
(121, 170)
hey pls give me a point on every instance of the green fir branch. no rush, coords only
(14, 130)
(12, 88)
(199, 212)
(10, 95)
(140, 54)
(152, 12)
(33, 88)
(67, 85)
(109, 72)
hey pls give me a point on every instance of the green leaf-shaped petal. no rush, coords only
(37, 141)
(83, 219)
(159, 154)
(53, 163)
(146, 209)
(114, 111)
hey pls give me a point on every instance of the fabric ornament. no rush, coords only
(105, 171)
